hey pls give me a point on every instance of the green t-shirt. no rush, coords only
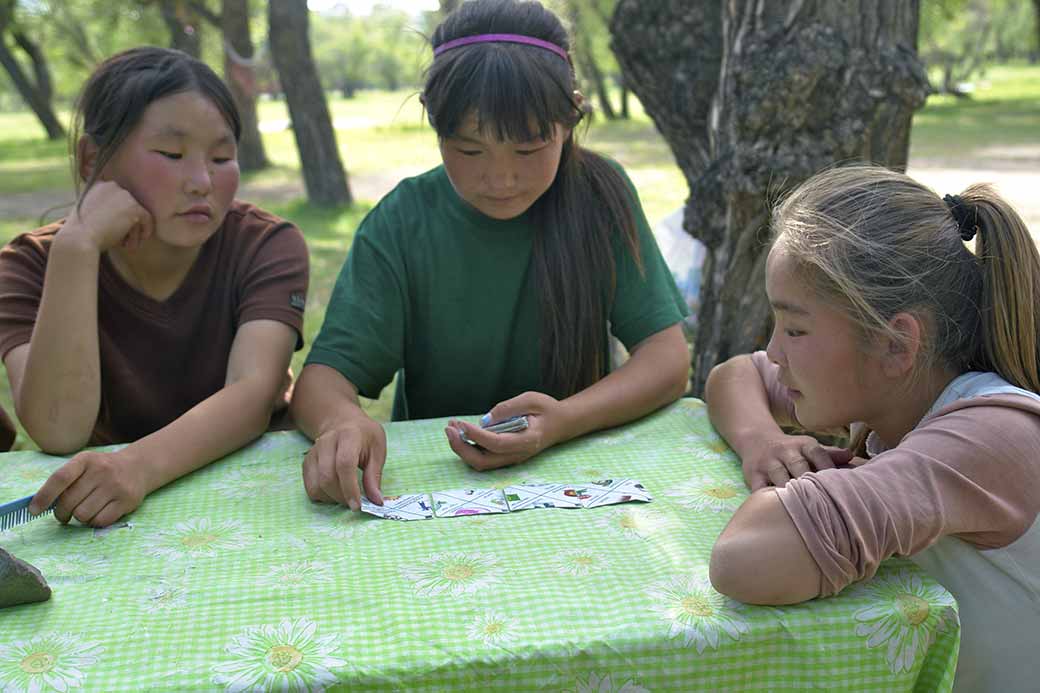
(447, 294)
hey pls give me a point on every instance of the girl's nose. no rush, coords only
(200, 179)
(773, 350)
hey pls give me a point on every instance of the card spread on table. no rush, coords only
(543, 496)
(481, 501)
(485, 501)
(415, 506)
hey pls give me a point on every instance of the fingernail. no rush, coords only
(486, 419)
(34, 509)
(353, 504)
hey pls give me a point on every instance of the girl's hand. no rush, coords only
(330, 468)
(97, 488)
(545, 429)
(778, 460)
(109, 216)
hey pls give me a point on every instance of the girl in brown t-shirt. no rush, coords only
(886, 322)
(161, 313)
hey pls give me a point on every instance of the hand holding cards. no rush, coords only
(513, 424)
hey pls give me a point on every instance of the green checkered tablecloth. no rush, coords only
(232, 579)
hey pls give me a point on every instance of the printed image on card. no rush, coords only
(409, 507)
(527, 496)
(610, 491)
(480, 501)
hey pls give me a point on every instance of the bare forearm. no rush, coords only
(739, 406)
(322, 400)
(654, 376)
(215, 427)
(59, 391)
(760, 558)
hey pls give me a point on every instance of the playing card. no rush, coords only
(414, 506)
(610, 491)
(480, 501)
(527, 496)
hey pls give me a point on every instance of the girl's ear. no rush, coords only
(86, 155)
(901, 350)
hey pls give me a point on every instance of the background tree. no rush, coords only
(449, 6)
(184, 25)
(323, 174)
(37, 91)
(240, 75)
(754, 96)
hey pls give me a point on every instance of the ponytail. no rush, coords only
(1010, 343)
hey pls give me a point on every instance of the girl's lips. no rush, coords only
(196, 217)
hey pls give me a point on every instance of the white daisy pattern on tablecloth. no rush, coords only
(696, 612)
(71, 568)
(28, 475)
(338, 522)
(579, 562)
(298, 573)
(197, 538)
(709, 494)
(903, 617)
(604, 683)
(165, 597)
(453, 573)
(47, 662)
(289, 656)
(492, 628)
(252, 482)
(634, 522)
(612, 438)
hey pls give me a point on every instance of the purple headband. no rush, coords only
(501, 38)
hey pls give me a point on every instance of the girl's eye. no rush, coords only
(469, 152)
(222, 159)
(790, 332)
(170, 155)
(529, 152)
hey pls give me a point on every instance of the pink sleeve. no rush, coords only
(972, 473)
(778, 395)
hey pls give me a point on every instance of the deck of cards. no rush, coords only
(489, 501)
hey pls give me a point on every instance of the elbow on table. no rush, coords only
(740, 572)
(55, 440)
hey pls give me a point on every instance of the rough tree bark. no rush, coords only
(241, 78)
(323, 173)
(754, 96)
(36, 91)
(183, 26)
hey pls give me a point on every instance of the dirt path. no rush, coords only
(1014, 171)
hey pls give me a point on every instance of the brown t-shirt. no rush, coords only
(161, 358)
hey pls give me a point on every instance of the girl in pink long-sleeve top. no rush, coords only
(886, 324)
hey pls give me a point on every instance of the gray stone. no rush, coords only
(20, 583)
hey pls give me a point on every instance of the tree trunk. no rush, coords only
(586, 59)
(1036, 7)
(183, 26)
(625, 114)
(35, 92)
(323, 173)
(449, 6)
(241, 78)
(754, 96)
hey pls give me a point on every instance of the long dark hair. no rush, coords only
(519, 92)
(114, 100)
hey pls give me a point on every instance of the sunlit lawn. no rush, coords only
(383, 135)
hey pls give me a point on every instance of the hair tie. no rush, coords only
(966, 216)
(501, 38)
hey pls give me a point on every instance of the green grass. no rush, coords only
(384, 136)
(1003, 111)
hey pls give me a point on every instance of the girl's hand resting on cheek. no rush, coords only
(109, 216)
(545, 428)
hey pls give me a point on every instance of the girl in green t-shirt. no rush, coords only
(501, 95)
